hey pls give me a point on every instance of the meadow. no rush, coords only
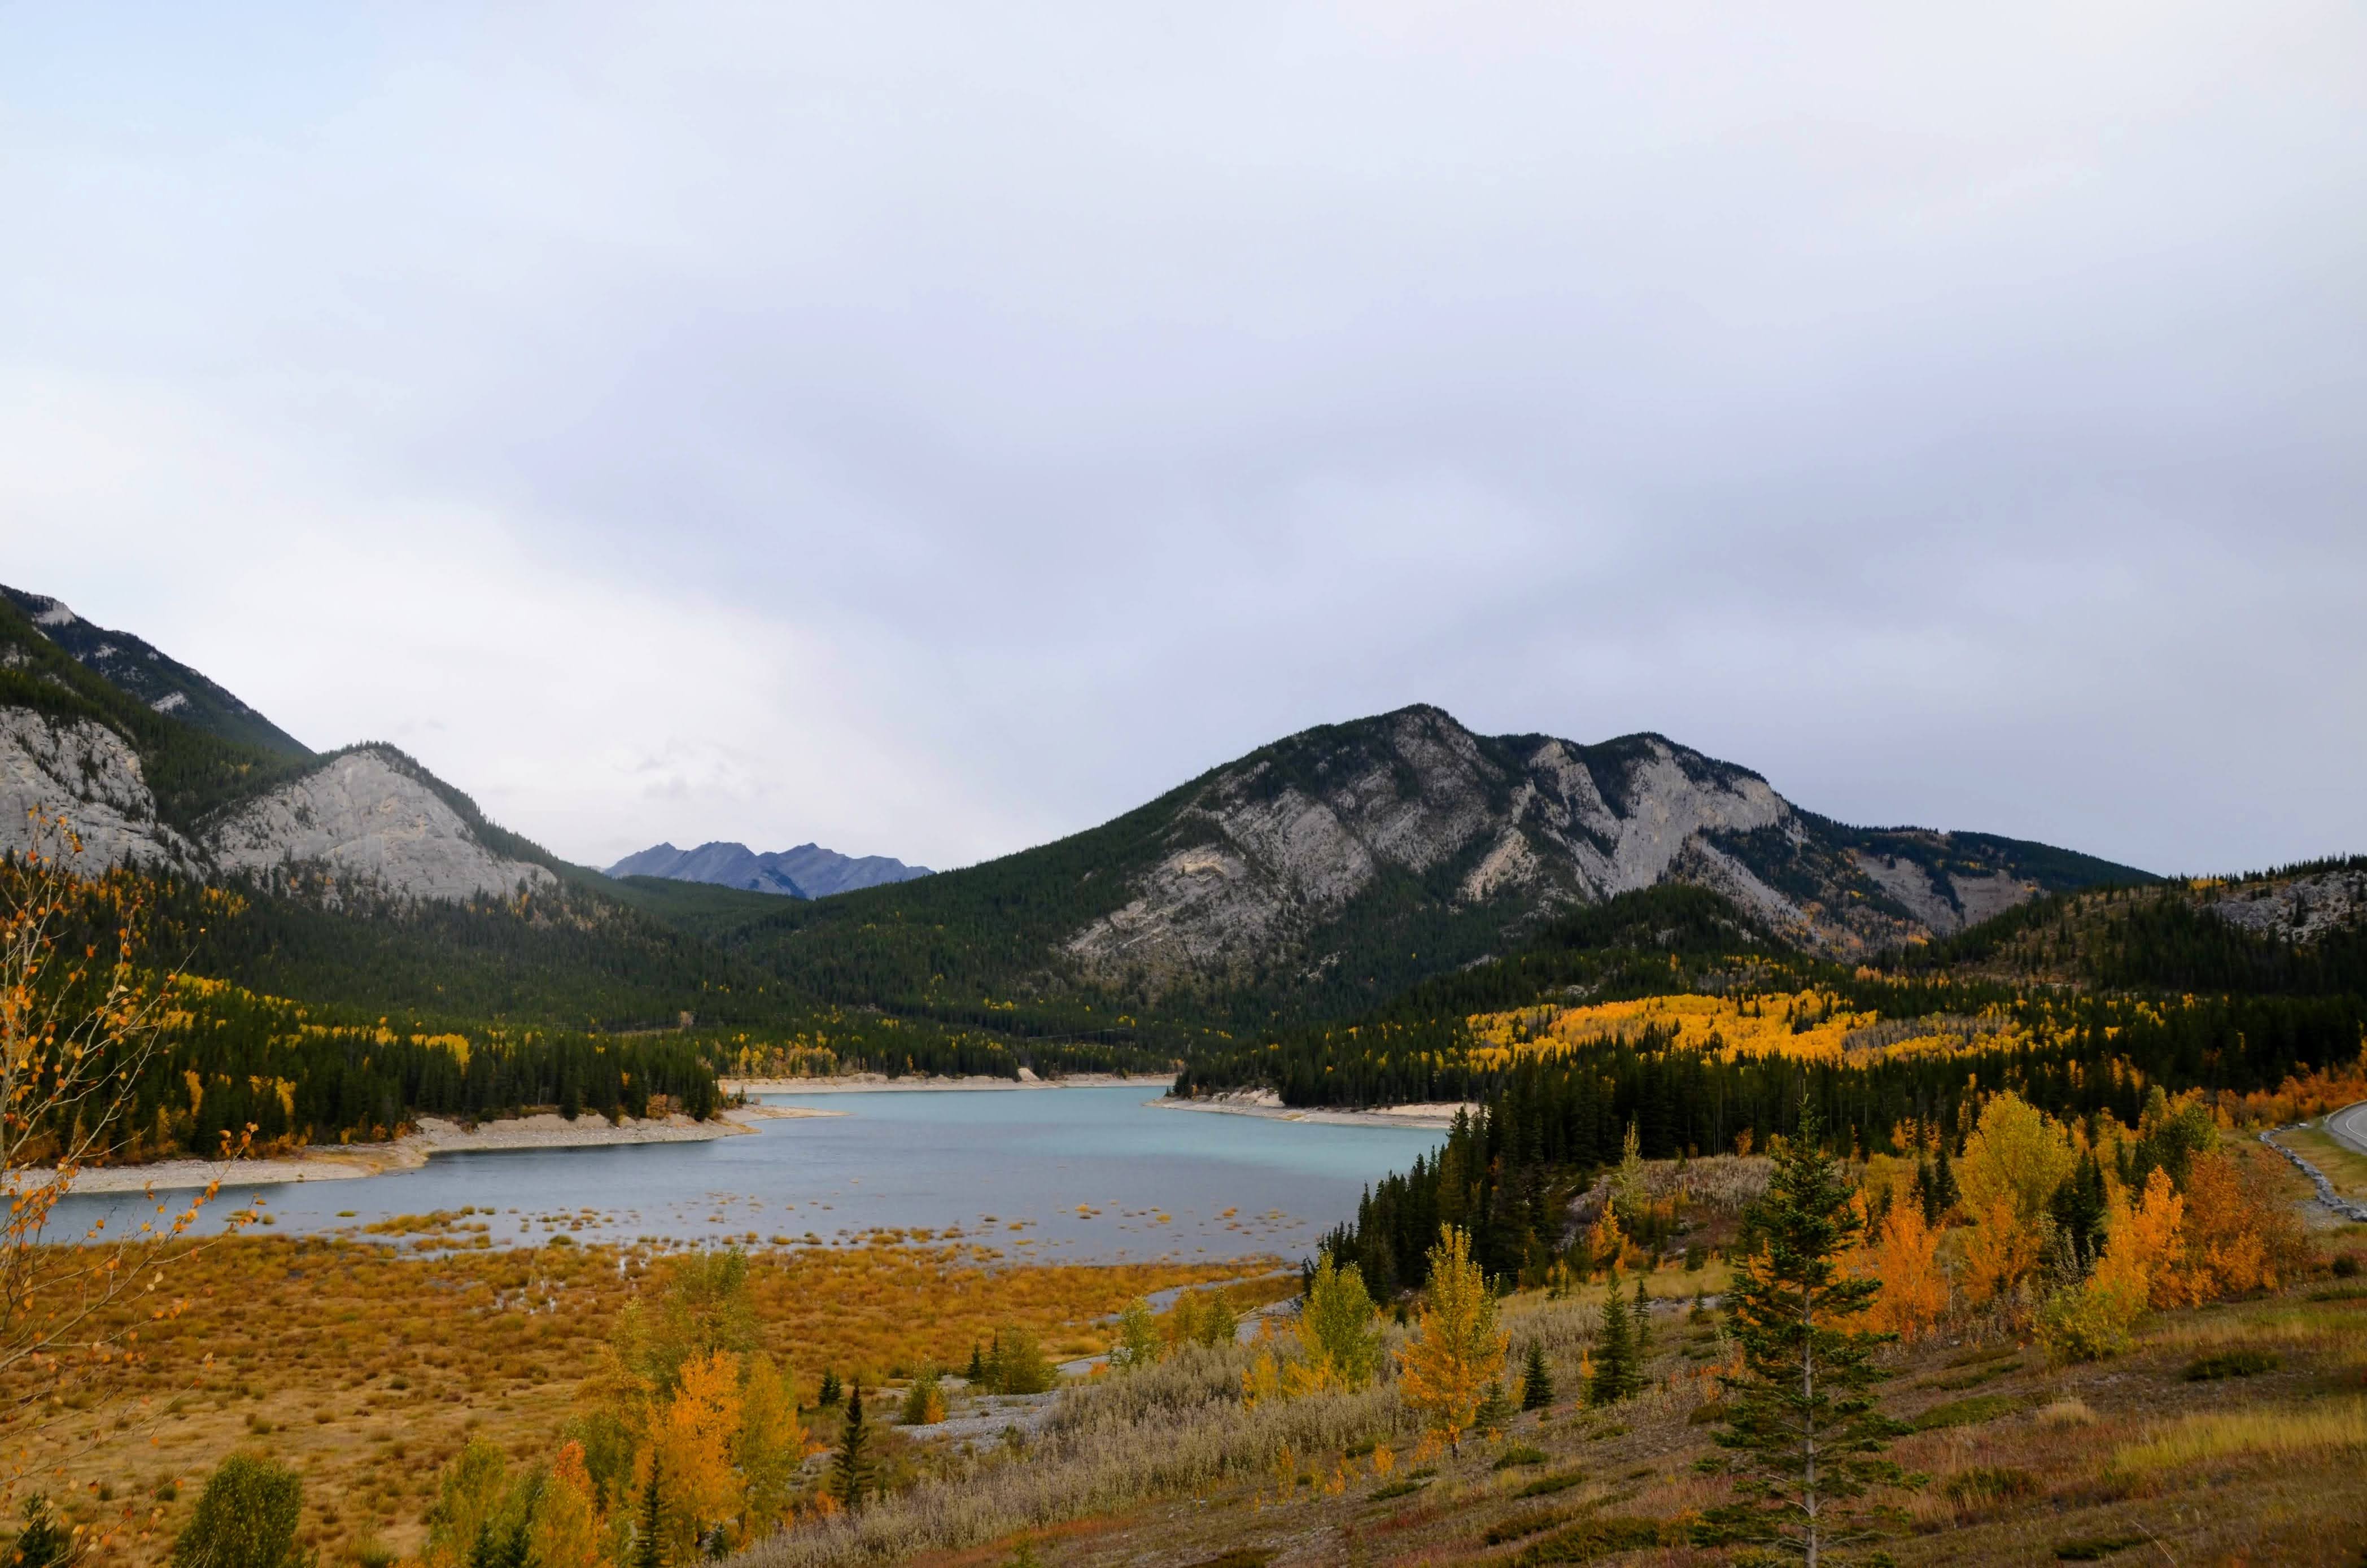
(367, 1365)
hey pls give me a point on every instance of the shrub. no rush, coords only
(1546, 1485)
(924, 1401)
(245, 1519)
(2095, 1548)
(2231, 1364)
(1405, 1488)
(1519, 1454)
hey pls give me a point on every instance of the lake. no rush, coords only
(1085, 1175)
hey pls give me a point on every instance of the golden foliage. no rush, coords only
(1906, 1258)
(2016, 1155)
(1457, 1349)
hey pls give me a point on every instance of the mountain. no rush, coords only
(1328, 869)
(199, 785)
(807, 871)
(165, 684)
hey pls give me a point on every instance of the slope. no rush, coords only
(164, 684)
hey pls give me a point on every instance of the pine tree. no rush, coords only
(832, 1390)
(850, 1469)
(1641, 1328)
(1614, 1351)
(1945, 1193)
(43, 1542)
(649, 1528)
(2080, 1209)
(1801, 1427)
(1495, 1411)
(1536, 1379)
(975, 1374)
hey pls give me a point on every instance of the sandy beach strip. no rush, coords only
(1267, 1103)
(347, 1162)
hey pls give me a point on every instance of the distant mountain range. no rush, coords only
(807, 871)
(1312, 877)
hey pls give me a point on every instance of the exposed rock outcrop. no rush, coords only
(1266, 853)
(367, 819)
(86, 772)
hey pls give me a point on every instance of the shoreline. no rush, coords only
(352, 1162)
(976, 1083)
(1264, 1102)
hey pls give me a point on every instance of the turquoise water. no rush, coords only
(1011, 1170)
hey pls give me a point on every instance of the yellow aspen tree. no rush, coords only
(2230, 1236)
(693, 1444)
(1457, 1349)
(2000, 1251)
(566, 1532)
(1906, 1258)
(2016, 1155)
(770, 1446)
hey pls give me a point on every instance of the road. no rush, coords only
(2349, 1127)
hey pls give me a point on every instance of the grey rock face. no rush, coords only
(84, 772)
(2300, 910)
(370, 821)
(1275, 847)
(1265, 853)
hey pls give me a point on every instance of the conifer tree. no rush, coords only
(833, 1392)
(44, 1542)
(648, 1527)
(850, 1468)
(1536, 1379)
(1495, 1411)
(1641, 1328)
(1800, 1426)
(1614, 1351)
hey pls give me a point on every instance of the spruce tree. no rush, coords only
(1536, 1379)
(44, 1542)
(649, 1527)
(1495, 1411)
(1640, 1330)
(850, 1467)
(1614, 1351)
(831, 1392)
(976, 1373)
(1801, 1429)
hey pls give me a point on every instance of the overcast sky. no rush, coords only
(929, 430)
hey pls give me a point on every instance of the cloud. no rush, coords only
(938, 429)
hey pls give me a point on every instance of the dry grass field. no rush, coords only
(368, 1367)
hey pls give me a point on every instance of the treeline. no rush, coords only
(225, 1061)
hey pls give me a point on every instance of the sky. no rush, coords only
(933, 429)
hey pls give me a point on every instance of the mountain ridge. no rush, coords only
(807, 871)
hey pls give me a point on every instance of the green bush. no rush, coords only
(1519, 1454)
(245, 1519)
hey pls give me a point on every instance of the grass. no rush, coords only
(2216, 1435)
(2344, 1166)
(368, 1367)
